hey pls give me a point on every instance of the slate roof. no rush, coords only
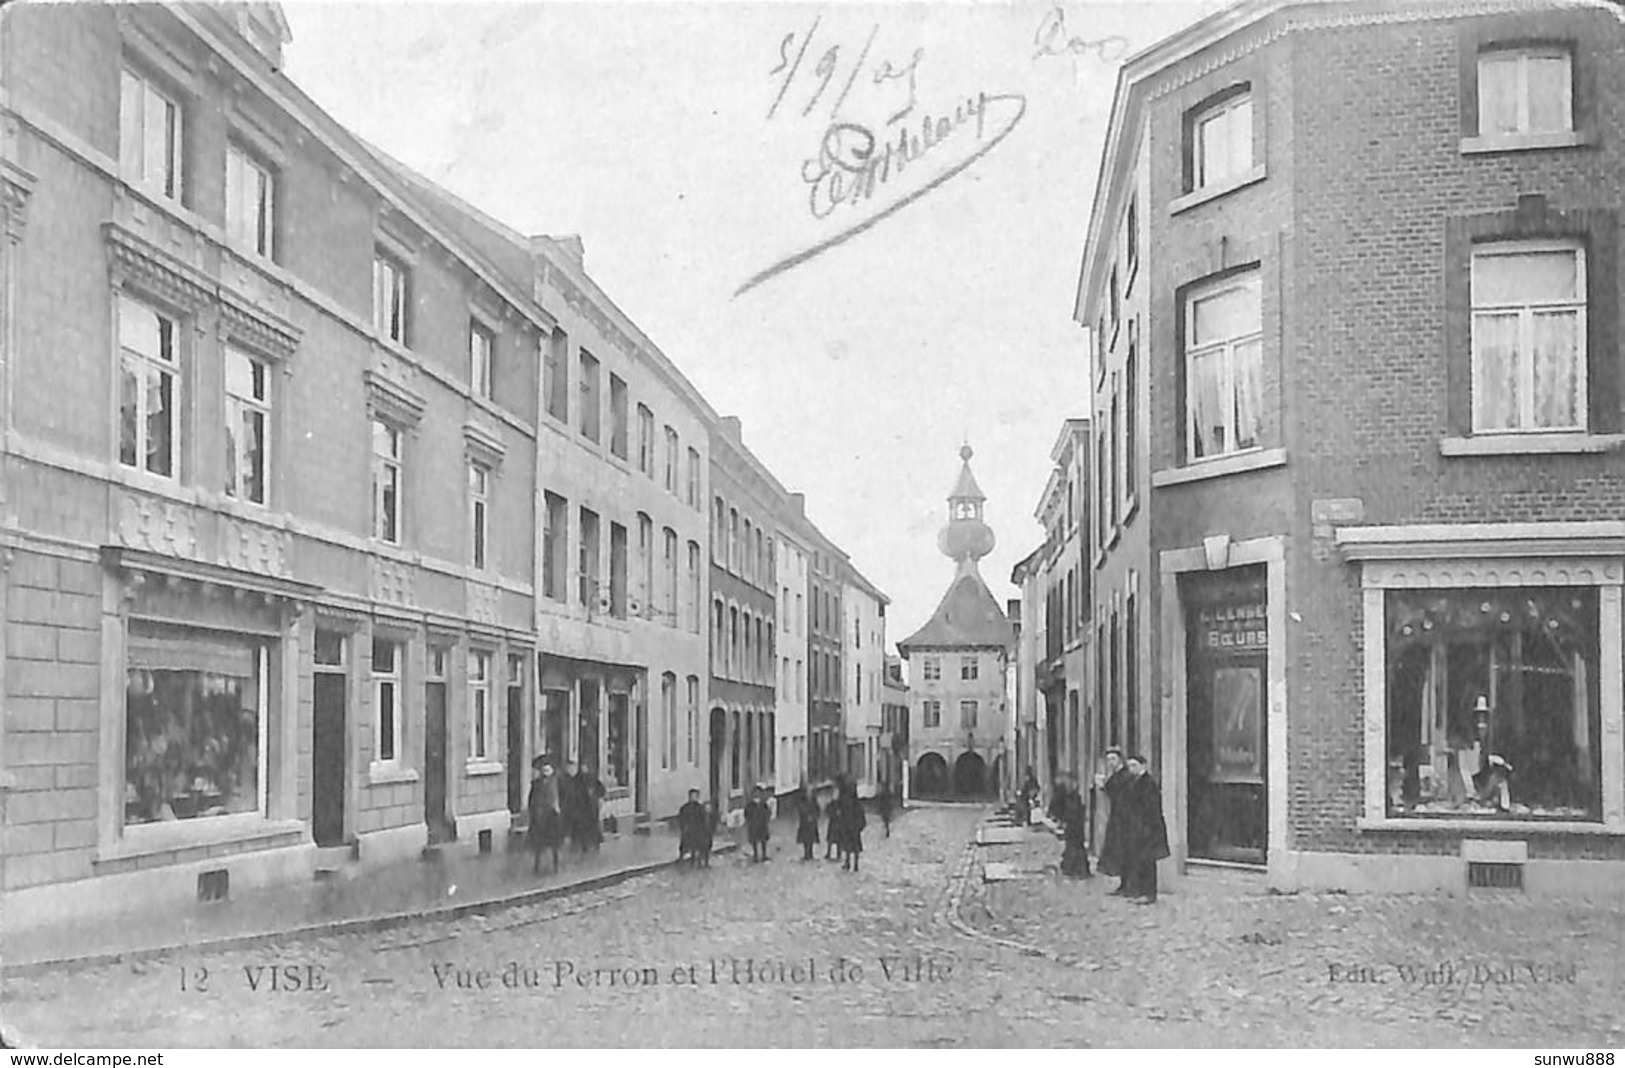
(968, 615)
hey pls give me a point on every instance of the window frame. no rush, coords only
(646, 443)
(392, 463)
(133, 161)
(391, 272)
(1249, 277)
(236, 406)
(478, 483)
(247, 162)
(1526, 312)
(172, 368)
(481, 360)
(481, 714)
(1524, 52)
(394, 677)
(1222, 107)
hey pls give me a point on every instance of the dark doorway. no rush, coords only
(970, 775)
(434, 762)
(587, 726)
(516, 743)
(931, 776)
(328, 759)
(640, 750)
(555, 711)
(719, 748)
(1227, 760)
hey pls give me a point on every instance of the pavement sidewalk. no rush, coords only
(458, 882)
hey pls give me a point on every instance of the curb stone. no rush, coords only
(357, 925)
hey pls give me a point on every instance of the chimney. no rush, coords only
(799, 500)
(570, 245)
(1012, 608)
(732, 427)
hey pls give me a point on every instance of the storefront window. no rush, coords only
(618, 703)
(1493, 703)
(195, 704)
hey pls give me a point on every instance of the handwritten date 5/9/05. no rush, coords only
(262, 979)
(830, 64)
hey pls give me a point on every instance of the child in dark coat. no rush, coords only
(694, 831)
(807, 823)
(757, 820)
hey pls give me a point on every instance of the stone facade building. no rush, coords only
(326, 501)
(269, 442)
(864, 636)
(1352, 278)
(958, 662)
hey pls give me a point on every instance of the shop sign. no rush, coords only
(1226, 628)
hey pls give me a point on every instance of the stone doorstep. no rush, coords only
(360, 924)
(990, 835)
(1000, 872)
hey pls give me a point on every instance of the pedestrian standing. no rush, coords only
(571, 804)
(852, 823)
(883, 804)
(807, 822)
(589, 796)
(1144, 835)
(757, 821)
(694, 832)
(1114, 784)
(1026, 798)
(1068, 810)
(834, 840)
(546, 824)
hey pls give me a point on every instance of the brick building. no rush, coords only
(826, 730)
(745, 502)
(269, 441)
(1352, 281)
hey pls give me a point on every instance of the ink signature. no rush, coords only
(861, 159)
(1052, 40)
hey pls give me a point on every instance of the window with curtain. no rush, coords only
(1224, 367)
(1528, 337)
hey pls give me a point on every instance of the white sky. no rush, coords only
(859, 372)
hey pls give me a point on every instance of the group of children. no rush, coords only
(843, 831)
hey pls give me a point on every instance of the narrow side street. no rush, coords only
(719, 957)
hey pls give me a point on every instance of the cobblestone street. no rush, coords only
(652, 961)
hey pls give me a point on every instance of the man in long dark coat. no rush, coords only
(1144, 834)
(1114, 783)
(589, 799)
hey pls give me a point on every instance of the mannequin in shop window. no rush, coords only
(1483, 773)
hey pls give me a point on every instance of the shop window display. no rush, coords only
(1493, 703)
(195, 704)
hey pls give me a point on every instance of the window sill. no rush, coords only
(148, 839)
(1524, 444)
(1197, 197)
(386, 774)
(1453, 826)
(1234, 464)
(481, 767)
(1474, 146)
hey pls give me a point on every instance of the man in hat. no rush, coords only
(1144, 837)
(546, 823)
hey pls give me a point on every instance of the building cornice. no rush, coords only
(1451, 541)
